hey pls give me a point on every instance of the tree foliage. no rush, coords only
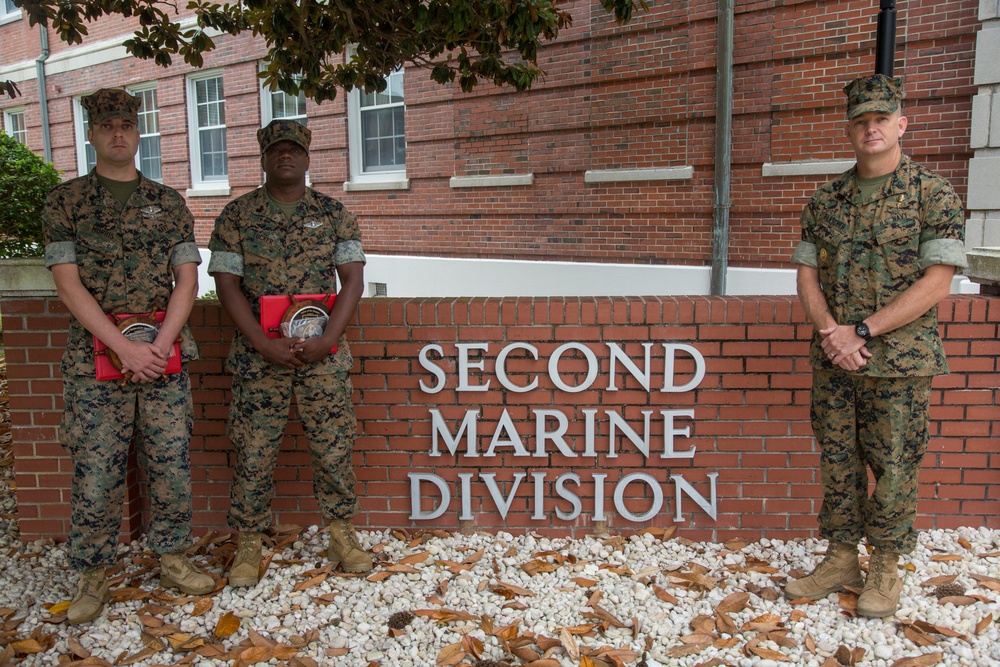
(25, 180)
(470, 40)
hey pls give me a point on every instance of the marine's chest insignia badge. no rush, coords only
(151, 212)
(312, 224)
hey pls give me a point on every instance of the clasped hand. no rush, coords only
(844, 348)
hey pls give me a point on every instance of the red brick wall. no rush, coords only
(750, 420)
(642, 95)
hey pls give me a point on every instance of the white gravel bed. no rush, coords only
(510, 599)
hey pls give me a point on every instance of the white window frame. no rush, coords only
(265, 104)
(21, 135)
(373, 180)
(137, 91)
(200, 187)
(8, 14)
(266, 115)
(80, 129)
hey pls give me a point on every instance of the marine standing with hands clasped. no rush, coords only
(118, 243)
(880, 246)
(287, 239)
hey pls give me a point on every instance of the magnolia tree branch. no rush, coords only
(473, 41)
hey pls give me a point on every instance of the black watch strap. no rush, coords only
(862, 330)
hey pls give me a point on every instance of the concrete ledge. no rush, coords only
(25, 277)
(808, 168)
(356, 186)
(984, 266)
(492, 181)
(628, 175)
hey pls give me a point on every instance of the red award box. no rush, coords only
(274, 308)
(106, 368)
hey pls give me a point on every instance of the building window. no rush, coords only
(376, 127)
(13, 123)
(86, 158)
(9, 11)
(207, 130)
(277, 104)
(148, 159)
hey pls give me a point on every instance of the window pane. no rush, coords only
(149, 136)
(149, 158)
(213, 154)
(16, 128)
(383, 138)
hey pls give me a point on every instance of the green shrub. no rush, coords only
(25, 180)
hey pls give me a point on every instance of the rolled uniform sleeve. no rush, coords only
(943, 251)
(349, 241)
(57, 230)
(185, 253)
(942, 238)
(225, 244)
(805, 254)
(59, 252)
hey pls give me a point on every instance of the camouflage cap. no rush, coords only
(283, 130)
(873, 93)
(108, 103)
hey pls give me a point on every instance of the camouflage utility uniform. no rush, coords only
(275, 255)
(125, 257)
(867, 253)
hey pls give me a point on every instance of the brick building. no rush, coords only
(607, 163)
(584, 195)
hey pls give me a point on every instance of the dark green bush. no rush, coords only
(25, 180)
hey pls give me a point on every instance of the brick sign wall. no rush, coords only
(728, 446)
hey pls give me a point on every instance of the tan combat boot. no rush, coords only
(246, 565)
(880, 598)
(176, 571)
(839, 568)
(345, 548)
(91, 595)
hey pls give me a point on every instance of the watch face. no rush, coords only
(862, 330)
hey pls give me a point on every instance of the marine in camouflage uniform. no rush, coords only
(116, 242)
(879, 247)
(287, 239)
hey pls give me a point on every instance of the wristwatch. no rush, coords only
(862, 330)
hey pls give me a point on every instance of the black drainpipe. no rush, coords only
(723, 147)
(885, 38)
(43, 99)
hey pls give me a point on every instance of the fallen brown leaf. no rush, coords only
(937, 581)
(984, 623)
(452, 654)
(686, 649)
(202, 606)
(924, 660)
(733, 603)
(768, 654)
(957, 600)
(227, 625)
(664, 595)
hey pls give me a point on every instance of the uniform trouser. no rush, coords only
(257, 419)
(877, 423)
(98, 425)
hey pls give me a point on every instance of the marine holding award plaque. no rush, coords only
(123, 257)
(279, 254)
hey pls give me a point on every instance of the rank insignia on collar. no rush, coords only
(151, 212)
(312, 224)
